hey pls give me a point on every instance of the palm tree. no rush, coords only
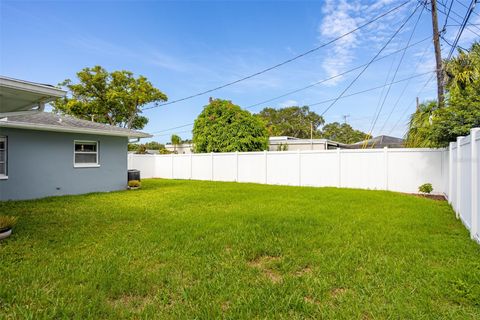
(419, 129)
(176, 140)
(463, 69)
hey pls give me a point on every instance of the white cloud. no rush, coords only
(342, 16)
(288, 103)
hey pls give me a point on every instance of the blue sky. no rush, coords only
(185, 47)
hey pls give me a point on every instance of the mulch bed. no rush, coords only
(429, 196)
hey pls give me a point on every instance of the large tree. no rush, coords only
(343, 133)
(431, 126)
(463, 98)
(292, 121)
(225, 127)
(115, 98)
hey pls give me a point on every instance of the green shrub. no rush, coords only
(134, 184)
(7, 222)
(426, 188)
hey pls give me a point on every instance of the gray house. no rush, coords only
(44, 154)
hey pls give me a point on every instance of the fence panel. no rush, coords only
(202, 166)
(251, 167)
(363, 169)
(465, 174)
(283, 168)
(224, 167)
(410, 168)
(319, 168)
(181, 166)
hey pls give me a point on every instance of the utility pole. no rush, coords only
(345, 116)
(418, 103)
(438, 54)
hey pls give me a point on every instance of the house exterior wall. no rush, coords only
(296, 146)
(40, 164)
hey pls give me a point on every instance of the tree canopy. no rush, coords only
(291, 121)
(431, 126)
(115, 98)
(343, 133)
(225, 127)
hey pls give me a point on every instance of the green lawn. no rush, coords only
(192, 249)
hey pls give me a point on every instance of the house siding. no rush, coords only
(40, 164)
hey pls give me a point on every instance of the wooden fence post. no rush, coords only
(475, 191)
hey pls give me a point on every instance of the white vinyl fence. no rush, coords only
(453, 172)
(464, 180)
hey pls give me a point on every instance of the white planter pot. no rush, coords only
(5, 234)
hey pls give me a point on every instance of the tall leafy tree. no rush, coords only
(436, 127)
(225, 127)
(115, 98)
(463, 98)
(292, 121)
(343, 133)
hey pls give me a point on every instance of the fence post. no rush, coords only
(171, 165)
(236, 166)
(265, 166)
(191, 165)
(299, 168)
(339, 168)
(450, 172)
(474, 192)
(459, 177)
(385, 157)
(211, 165)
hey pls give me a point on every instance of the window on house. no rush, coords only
(3, 157)
(86, 154)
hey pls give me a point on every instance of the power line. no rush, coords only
(313, 84)
(396, 72)
(284, 62)
(406, 108)
(333, 99)
(403, 90)
(455, 20)
(464, 23)
(370, 62)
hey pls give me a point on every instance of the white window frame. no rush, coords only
(4, 163)
(86, 165)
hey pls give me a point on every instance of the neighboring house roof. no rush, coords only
(293, 141)
(47, 121)
(382, 141)
(20, 96)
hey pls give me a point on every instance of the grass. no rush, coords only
(192, 249)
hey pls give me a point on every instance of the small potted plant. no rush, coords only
(425, 188)
(134, 184)
(6, 225)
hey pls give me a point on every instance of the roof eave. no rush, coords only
(42, 127)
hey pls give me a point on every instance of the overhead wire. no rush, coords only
(395, 74)
(310, 85)
(404, 89)
(283, 62)
(462, 27)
